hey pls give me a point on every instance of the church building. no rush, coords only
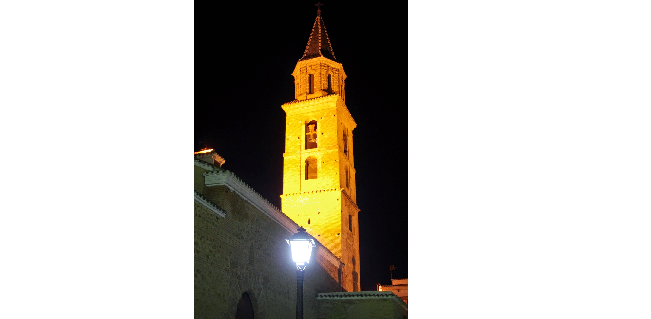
(243, 265)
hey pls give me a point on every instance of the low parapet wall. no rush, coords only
(359, 305)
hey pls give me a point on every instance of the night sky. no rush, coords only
(244, 56)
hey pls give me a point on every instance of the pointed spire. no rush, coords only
(319, 43)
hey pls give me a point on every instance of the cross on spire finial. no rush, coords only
(318, 5)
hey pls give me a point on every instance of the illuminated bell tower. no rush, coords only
(319, 173)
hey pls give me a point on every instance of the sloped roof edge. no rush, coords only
(209, 205)
(222, 177)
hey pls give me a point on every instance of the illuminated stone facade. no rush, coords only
(319, 189)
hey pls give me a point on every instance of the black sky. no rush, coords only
(244, 56)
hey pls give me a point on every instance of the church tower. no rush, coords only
(319, 173)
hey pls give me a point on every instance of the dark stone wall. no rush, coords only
(246, 252)
(360, 309)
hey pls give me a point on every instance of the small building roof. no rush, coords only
(396, 282)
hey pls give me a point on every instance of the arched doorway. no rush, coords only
(244, 307)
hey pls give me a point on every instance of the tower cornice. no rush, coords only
(297, 107)
(309, 105)
(319, 60)
(312, 192)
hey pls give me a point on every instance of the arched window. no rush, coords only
(310, 168)
(310, 135)
(244, 307)
(347, 179)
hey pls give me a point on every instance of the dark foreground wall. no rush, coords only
(245, 252)
(361, 305)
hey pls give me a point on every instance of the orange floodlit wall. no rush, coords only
(319, 134)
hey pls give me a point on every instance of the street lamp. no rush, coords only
(301, 244)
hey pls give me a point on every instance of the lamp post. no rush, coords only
(301, 244)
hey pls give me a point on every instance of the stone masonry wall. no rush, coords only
(246, 252)
(354, 306)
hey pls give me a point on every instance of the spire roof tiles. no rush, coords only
(319, 43)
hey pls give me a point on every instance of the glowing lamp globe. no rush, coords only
(301, 244)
